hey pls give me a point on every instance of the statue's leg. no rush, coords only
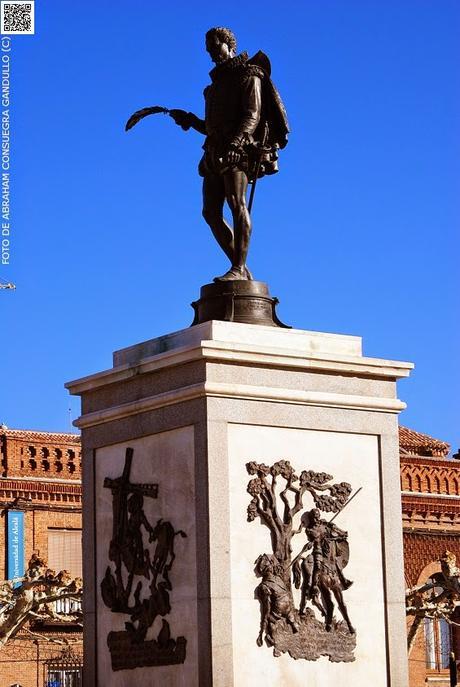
(306, 580)
(213, 206)
(236, 184)
(343, 609)
(328, 607)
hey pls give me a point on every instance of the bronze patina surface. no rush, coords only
(277, 496)
(245, 125)
(137, 580)
(246, 301)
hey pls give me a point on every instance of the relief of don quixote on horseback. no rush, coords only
(317, 570)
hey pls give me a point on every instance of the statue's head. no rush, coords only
(267, 564)
(135, 503)
(314, 516)
(220, 44)
(310, 518)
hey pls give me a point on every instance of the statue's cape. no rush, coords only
(273, 110)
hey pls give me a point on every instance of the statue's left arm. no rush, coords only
(250, 111)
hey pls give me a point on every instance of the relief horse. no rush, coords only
(320, 582)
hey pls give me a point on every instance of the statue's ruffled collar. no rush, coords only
(233, 63)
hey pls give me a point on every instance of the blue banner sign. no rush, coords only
(15, 539)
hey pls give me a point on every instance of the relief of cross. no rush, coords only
(121, 487)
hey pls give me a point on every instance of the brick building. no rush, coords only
(430, 485)
(40, 507)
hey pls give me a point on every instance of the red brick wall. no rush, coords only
(35, 454)
(431, 476)
(422, 549)
(22, 660)
(52, 501)
(431, 525)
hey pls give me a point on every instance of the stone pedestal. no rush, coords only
(167, 435)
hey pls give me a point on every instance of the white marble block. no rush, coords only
(194, 408)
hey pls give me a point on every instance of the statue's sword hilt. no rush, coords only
(257, 170)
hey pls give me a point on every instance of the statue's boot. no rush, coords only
(233, 274)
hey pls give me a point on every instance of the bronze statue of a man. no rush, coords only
(245, 124)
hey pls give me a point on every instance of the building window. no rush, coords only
(65, 551)
(67, 677)
(438, 637)
(437, 643)
(67, 606)
(64, 670)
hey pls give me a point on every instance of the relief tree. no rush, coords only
(277, 496)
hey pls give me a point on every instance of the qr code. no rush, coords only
(17, 17)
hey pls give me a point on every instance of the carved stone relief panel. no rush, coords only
(138, 578)
(146, 560)
(278, 494)
(306, 557)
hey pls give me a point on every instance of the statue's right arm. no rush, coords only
(188, 120)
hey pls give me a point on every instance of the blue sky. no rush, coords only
(357, 234)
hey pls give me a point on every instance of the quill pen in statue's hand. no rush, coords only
(140, 114)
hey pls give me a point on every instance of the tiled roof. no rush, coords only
(420, 444)
(33, 435)
(409, 440)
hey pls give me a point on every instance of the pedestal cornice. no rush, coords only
(245, 344)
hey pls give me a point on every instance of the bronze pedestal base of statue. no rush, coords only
(245, 301)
